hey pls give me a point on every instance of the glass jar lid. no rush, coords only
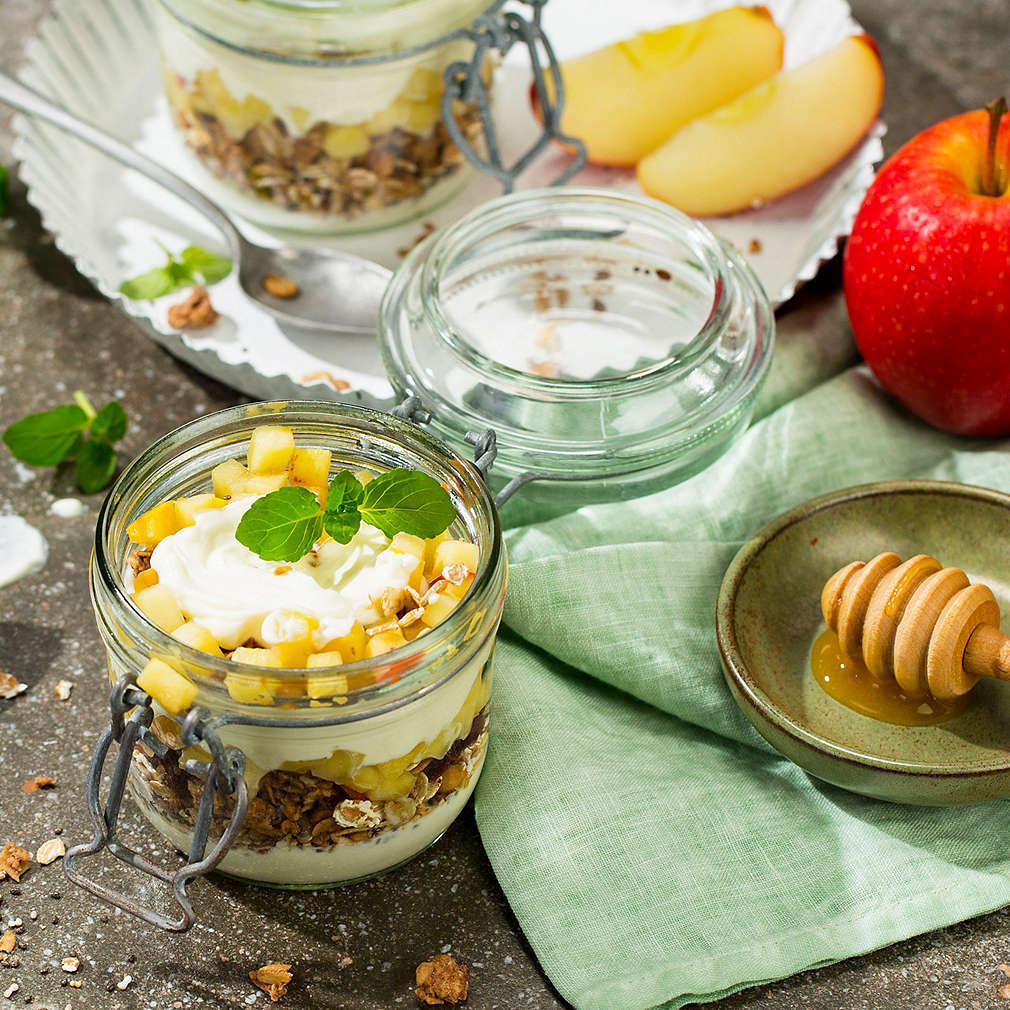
(326, 31)
(602, 336)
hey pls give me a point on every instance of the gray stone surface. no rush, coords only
(353, 948)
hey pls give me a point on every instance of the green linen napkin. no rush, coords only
(654, 849)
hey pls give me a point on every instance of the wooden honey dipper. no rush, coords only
(926, 626)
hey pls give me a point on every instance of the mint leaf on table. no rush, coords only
(96, 463)
(407, 501)
(342, 518)
(72, 431)
(282, 525)
(5, 193)
(48, 438)
(193, 265)
(109, 423)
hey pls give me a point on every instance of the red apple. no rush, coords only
(927, 274)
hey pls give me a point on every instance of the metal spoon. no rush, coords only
(338, 292)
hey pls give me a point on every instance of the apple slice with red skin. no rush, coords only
(773, 139)
(927, 274)
(624, 100)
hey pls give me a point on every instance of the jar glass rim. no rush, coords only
(152, 459)
(517, 209)
(323, 11)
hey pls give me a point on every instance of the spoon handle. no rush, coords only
(24, 98)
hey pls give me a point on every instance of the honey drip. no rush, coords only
(849, 682)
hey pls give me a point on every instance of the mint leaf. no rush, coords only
(153, 284)
(282, 525)
(48, 438)
(109, 423)
(210, 266)
(407, 501)
(5, 193)
(96, 463)
(191, 265)
(342, 518)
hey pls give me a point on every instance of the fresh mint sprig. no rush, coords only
(193, 265)
(73, 431)
(284, 524)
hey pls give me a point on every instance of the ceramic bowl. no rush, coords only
(768, 616)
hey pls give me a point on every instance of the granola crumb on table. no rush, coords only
(194, 312)
(441, 980)
(273, 979)
(37, 783)
(14, 861)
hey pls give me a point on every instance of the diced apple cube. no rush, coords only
(187, 508)
(159, 606)
(270, 449)
(226, 475)
(256, 656)
(444, 602)
(405, 543)
(430, 546)
(291, 654)
(318, 659)
(310, 467)
(145, 579)
(196, 636)
(351, 646)
(154, 525)
(168, 687)
(455, 552)
(231, 478)
(364, 476)
(383, 642)
(249, 689)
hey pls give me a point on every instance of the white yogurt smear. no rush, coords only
(68, 508)
(23, 549)
(236, 595)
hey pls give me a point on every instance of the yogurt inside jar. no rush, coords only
(327, 804)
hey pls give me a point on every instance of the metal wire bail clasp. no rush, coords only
(223, 773)
(465, 83)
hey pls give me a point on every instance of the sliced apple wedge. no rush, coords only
(777, 137)
(624, 100)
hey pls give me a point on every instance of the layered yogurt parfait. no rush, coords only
(307, 591)
(321, 115)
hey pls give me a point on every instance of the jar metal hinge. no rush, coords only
(465, 83)
(223, 775)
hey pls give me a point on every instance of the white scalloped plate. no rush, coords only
(99, 58)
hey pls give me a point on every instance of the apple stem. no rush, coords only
(992, 185)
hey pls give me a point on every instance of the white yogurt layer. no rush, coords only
(340, 95)
(346, 861)
(236, 595)
(23, 549)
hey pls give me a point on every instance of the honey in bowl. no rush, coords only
(849, 682)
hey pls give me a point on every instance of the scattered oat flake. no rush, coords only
(76, 983)
(10, 687)
(50, 851)
(548, 338)
(279, 286)
(70, 965)
(338, 384)
(273, 979)
(37, 783)
(63, 689)
(755, 246)
(124, 982)
(441, 980)
(194, 312)
(14, 860)
(10, 990)
(456, 574)
(547, 369)
(7, 942)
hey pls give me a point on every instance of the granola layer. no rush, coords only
(298, 172)
(301, 811)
